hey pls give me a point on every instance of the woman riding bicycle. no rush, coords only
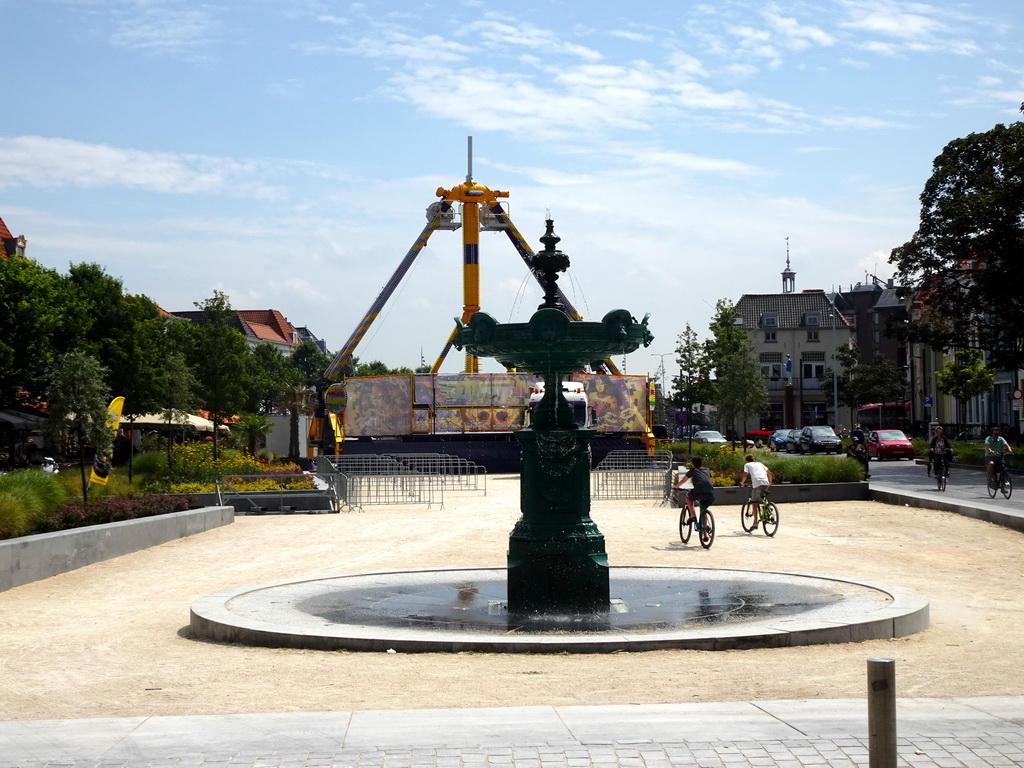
(939, 452)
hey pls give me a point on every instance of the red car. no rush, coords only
(889, 444)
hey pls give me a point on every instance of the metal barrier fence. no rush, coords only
(371, 479)
(633, 475)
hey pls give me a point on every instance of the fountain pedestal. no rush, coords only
(557, 564)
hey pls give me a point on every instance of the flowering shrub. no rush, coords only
(110, 509)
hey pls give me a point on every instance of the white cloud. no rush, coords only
(38, 161)
(498, 32)
(894, 27)
(635, 37)
(163, 28)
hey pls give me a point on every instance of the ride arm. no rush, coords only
(528, 256)
(345, 355)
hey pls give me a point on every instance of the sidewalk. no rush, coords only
(931, 732)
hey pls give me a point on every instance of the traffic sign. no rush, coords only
(1017, 394)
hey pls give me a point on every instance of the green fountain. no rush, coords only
(557, 563)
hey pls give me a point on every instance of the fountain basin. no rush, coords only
(652, 607)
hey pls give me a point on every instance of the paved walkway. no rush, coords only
(947, 733)
(931, 732)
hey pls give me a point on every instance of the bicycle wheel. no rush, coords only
(685, 526)
(770, 518)
(1005, 484)
(993, 483)
(940, 481)
(707, 529)
(748, 516)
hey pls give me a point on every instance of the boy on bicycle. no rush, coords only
(703, 492)
(760, 480)
(995, 447)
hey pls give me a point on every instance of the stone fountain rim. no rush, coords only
(907, 613)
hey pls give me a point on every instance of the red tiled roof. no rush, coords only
(268, 325)
(5, 233)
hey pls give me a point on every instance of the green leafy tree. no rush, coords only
(964, 377)
(964, 266)
(254, 427)
(739, 388)
(33, 304)
(306, 369)
(693, 384)
(77, 400)
(221, 360)
(268, 369)
(178, 387)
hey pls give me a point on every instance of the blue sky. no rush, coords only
(284, 151)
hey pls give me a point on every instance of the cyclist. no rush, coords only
(995, 447)
(703, 492)
(939, 451)
(760, 480)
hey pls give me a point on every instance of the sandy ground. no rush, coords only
(112, 639)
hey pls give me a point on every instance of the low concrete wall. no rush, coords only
(793, 493)
(31, 558)
(1007, 519)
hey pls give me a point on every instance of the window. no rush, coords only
(814, 370)
(812, 319)
(876, 337)
(812, 336)
(769, 320)
(769, 337)
(874, 318)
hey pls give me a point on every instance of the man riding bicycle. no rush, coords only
(995, 447)
(760, 481)
(939, 451)
(703, 492)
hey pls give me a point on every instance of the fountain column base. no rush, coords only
(557, 564)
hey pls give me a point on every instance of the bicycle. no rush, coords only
(767, 515)
(705, 529)
(999, 479)
(940, 466)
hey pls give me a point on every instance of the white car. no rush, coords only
(709, 436)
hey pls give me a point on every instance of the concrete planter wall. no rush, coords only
(792, 493)
(31, 558)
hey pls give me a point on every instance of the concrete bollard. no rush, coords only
(882, 713)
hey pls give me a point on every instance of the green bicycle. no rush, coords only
(764, 512)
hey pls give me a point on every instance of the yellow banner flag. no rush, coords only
(100, 468)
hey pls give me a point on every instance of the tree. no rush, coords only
(33, 304)
(965, 264)
(964, 377)
(220, 359)
(306, 369)
(77, 407)
(739, 388)
(693, 384)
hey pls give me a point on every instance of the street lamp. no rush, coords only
(661, 370)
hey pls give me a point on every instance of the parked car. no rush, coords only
(824, 439)
(889, 444)
(793, 441)
(777, 440)
(709, 436)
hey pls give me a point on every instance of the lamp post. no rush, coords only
(835, 363)
(661, 370)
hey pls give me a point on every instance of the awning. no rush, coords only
(23, 421)
(158, 420)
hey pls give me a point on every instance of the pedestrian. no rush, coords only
(857, 451)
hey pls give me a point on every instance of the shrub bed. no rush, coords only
(726, 465)
(110, 509)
